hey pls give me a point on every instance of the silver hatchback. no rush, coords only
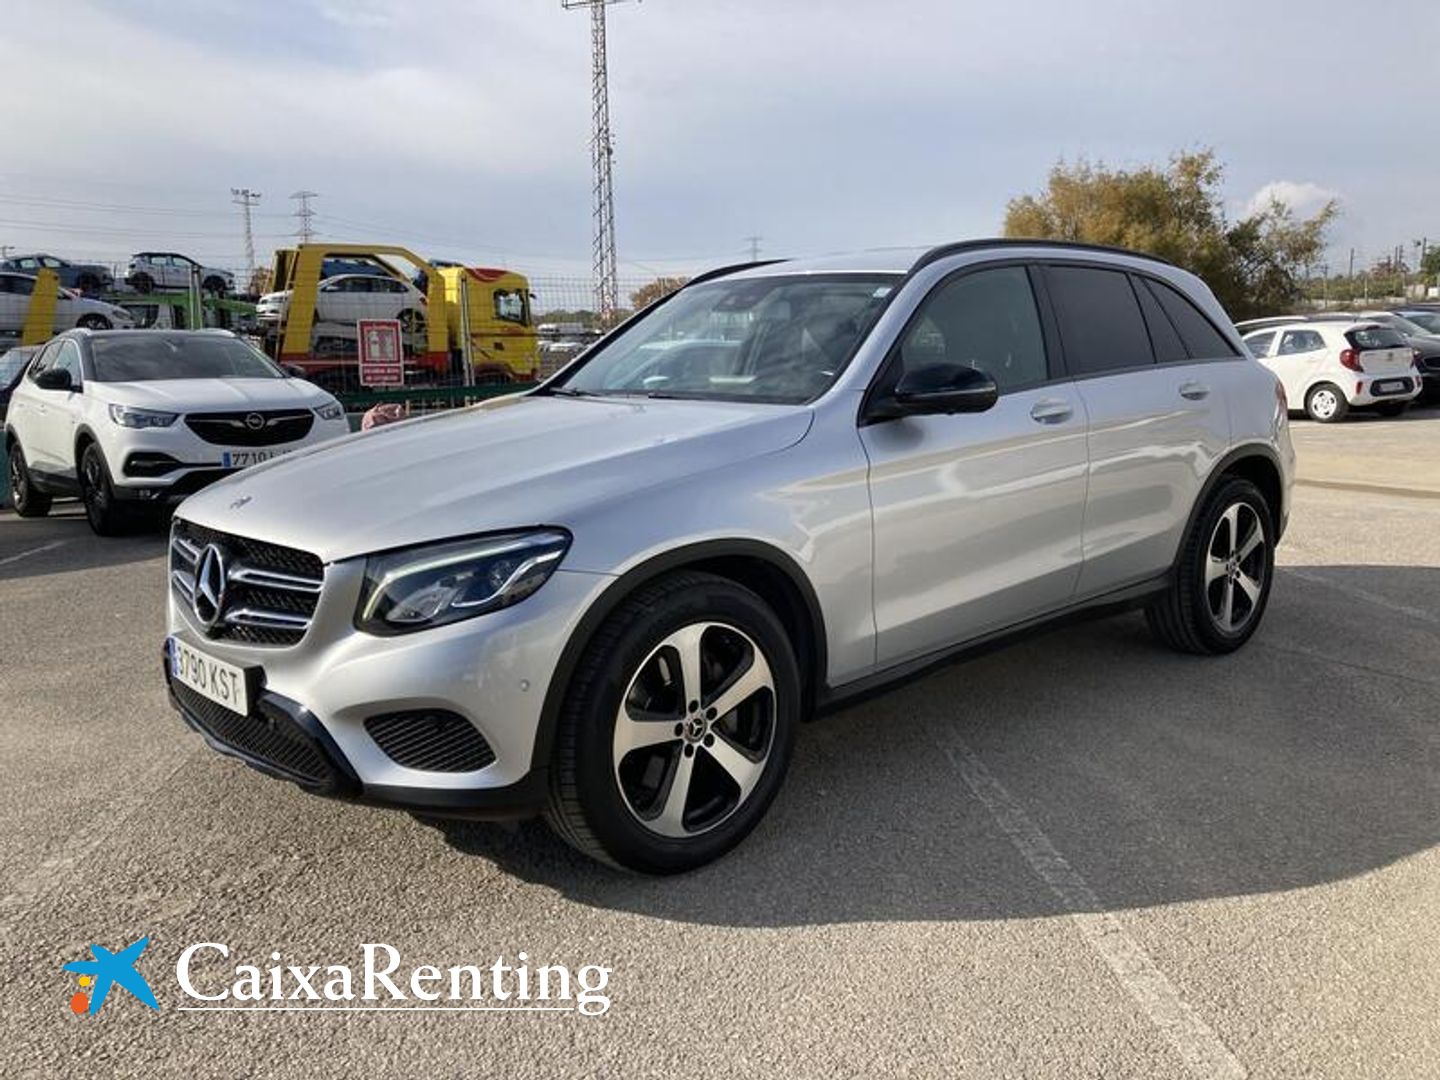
(613, 599)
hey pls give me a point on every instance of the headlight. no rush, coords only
(437, 584)
(331, 411)
(126, 416)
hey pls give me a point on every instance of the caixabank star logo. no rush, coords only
(106, 970)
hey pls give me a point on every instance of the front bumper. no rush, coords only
(313, 703)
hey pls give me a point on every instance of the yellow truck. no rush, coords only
(460, 324)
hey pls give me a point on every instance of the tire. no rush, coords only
(1191, 615)
(412, 322)
(28, 501)
(93, 322)
(214, 286)
(88, 284)
(615, 805)
(1392, 408)
(1326, 404)
(142, 283)
(97, 493)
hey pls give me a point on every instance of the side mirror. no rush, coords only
(941, 390)
(54, 379)
(295, 371)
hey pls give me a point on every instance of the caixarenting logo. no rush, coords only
(206, 976)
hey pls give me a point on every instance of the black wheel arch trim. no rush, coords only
(1224, 468)
(675, 559)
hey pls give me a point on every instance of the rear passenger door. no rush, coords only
(1145, 363)
(1297, 363)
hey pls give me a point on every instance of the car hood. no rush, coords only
(509, 463)
(211, 395)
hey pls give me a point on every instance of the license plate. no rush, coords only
(239, 459)
(222, 683)
(1390, 387)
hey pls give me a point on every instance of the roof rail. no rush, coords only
(721, 271)
(962, 246)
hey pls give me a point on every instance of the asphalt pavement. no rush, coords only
(1081, 856)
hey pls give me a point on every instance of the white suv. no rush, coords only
(151, 270)
(1329, 368)
(130, 421)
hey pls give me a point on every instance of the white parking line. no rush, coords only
(33, 551)
(1202, 1050)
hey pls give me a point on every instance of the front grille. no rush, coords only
(270, 593)
(266, 735)
(430, 739)
(259, 427)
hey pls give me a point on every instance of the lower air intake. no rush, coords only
(430, 739)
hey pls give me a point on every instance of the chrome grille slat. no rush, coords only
(271, 591)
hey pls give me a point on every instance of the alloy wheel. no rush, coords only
(1235, 567)
(694, 730)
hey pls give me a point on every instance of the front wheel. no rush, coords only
(1222, 579)
(1325, 404)
(106, 517)
(214, 286)
(93, 322)
(29, 502)
(677, 728)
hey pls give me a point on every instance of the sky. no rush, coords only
(461, 127)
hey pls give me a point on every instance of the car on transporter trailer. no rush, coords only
(783, 486)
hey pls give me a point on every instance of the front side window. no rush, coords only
(780, 339)
(68, 359)
(985, 320)
(510, 306)
(1100, 322)
(152, 357)
(1259, 344)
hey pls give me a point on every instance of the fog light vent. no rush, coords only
(430, 739)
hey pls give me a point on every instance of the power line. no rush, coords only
(246, 199)
(602, 150)
(306, 232)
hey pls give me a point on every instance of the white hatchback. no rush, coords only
(1329, 368)
(138, 419)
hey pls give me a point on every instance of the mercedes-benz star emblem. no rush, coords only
(254, 421)
(209, 599)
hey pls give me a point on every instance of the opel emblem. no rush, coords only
(254, 421)
(209, 600)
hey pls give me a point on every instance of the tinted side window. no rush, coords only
(986, 320)
(1259, 344)
(1169, 349)
(1100, 322)
(1201, 338)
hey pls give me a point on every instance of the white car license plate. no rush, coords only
(222, 683)
(239, 459)
(1390, 387)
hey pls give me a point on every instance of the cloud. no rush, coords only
(1301, 196)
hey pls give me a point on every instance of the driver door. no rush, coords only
(51, 447)
(977, 516)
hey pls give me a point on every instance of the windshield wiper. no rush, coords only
(569, 391)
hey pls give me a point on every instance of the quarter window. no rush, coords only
(986, 320)
(1100, 321)
(1201, 338)
(1169, 349)
(1259, 344)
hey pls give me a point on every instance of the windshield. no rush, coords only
(779, 339)
(1376, 337)
(136, 357)
(11, 363)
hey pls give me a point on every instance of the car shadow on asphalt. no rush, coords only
(62, 542)
(1306, 758)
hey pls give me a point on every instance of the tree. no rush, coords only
(1430, 265)
(1256, 265)
(658, 289)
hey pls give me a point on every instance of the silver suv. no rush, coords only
(614, 598)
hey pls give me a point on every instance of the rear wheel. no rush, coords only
(29, 502)
(1325, 404)
(677, 728)
(106, 516)
(412, 322)
(143, 283)
(1222, 580)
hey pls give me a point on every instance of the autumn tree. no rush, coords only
(1255, 265)
(658, 289)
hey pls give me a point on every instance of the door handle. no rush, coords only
(1051, 411)
(1194, 391)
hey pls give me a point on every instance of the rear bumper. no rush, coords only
(1375, 390)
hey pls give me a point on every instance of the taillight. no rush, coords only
(1349, 358)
